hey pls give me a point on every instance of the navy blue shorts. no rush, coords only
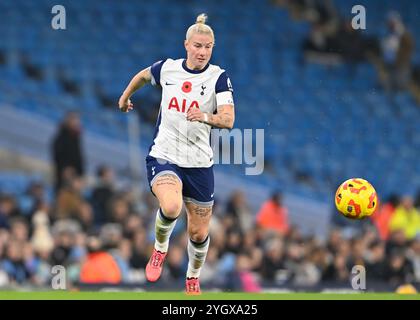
(197, 183)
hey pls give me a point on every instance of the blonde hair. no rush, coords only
(200, 27)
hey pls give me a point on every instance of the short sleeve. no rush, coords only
(155, 71)
(224, 90)
(223, 83)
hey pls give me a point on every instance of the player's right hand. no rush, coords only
(125, 105)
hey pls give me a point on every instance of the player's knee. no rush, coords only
(171, 209)
(198, 234)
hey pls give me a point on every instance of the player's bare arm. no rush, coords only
(139, 80)
(223, 119)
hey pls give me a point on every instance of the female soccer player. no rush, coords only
(195, 97)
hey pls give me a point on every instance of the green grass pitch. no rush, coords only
(124, 295)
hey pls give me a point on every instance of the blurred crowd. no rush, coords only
(110, 241)
(103, 233)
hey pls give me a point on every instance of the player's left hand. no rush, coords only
(125, 104)
(194, 114)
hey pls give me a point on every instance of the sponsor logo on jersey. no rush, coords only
(182, 107)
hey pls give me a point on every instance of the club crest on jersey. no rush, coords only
(174, 104)
(203, 87)
(187, 86)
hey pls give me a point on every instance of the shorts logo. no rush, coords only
(212, 195)
(153, 171)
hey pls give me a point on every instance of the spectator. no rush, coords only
(273, 260)
(99, 266)
(317, 41)
(19, 229)
(252, 249)
(176, 263)
(8, 209)
(41, 237)
(358, 249)
(132, 224)
(42, 240)
(399, 269)
(294, 234)
(413, 254)
(306, 273)
(381, 218)
(273, 215)
(120, 210)
(140, 254)
(35, 196)
(351, 44)
(318, 257)
(239, 210)
(210, 273)
(69, 199)
(397, 51)
(122, 256)
(64, 234)
(218, 238)
(84, 216)
(102, 194)
(111, 234)
(397, 241)
(406, 218)
(67, 152)
(375, 261)
(4, 239)
(234, 241)
(338, 270)
(14, 264)
(248, 282)
(334, 240)
(319, 11)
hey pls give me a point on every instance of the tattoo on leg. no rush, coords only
(202, 211)
(167, 179)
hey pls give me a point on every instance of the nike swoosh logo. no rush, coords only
(169, 84)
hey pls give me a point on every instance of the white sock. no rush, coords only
(163, 229)
(197, 253)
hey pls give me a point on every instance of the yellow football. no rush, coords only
(356, 198)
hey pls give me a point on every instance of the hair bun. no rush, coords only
(202, 18)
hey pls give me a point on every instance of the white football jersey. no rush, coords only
(182, 142)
